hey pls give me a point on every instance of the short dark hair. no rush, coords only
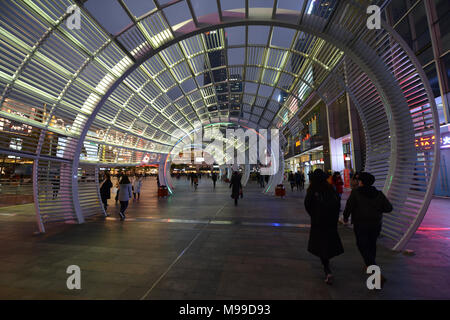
(366, 178)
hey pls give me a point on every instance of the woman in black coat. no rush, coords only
(236, 186)
(323, 205)
(105, 190)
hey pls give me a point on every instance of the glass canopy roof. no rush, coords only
(258, 76)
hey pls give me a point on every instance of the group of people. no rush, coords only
(126, 189)
(296, 180)
(365, 207)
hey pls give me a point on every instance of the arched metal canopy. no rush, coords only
(91, 96)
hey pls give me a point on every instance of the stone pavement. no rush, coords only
(198, 245)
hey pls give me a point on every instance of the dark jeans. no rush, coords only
(123, 206)
(366, 240)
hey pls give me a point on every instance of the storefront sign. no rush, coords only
(427, 142)
(150, 158)
(445, 141)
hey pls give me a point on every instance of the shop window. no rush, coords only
(15, 144)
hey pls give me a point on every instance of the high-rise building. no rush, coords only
(235, 94)
(217, 61)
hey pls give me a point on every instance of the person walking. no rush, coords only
(322, 204)
(366, 206)
(214, 179)
(299, 180)
(338, 183)
(236, 187)
(137, 184)
(125, 194)
(291, 180)
(195, 180)
(105, 191)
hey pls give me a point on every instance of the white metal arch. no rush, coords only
(389, 88)
(362, 52)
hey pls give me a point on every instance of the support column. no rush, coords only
(276, 178)
(35, 196)
(161, 175)
(97, 184)
(435, 35)
(355, 134)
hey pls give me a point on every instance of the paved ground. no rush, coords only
(198, 245)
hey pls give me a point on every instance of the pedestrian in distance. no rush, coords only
(236, 186)
(323, 205)
(214, 179)
(291, 180)
(299, 180)
(338, 183)
(137, 184)
(125, 194)
(105, 191)
(195, 180)
(366, 206)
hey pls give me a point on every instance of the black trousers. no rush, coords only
(123, 206)
(105, 202)
(366, 240)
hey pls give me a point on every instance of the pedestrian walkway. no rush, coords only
(198, 245)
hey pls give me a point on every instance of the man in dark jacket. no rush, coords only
(105, 190)
(366, 205)
(236, 186)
